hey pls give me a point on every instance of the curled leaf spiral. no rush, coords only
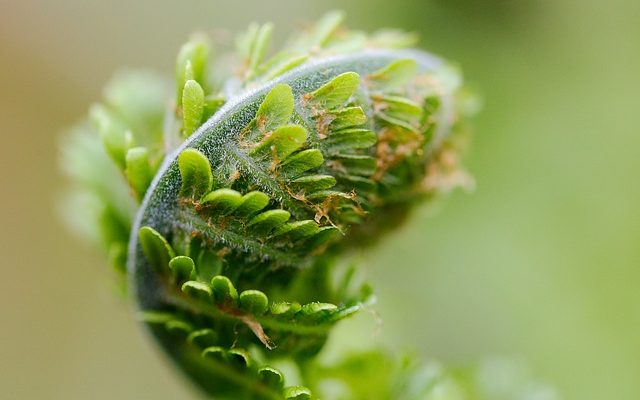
(255, 184)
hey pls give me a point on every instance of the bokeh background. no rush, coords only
(541, 262)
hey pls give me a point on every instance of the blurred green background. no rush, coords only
(541, 262)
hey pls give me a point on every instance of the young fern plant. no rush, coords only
(228, 214)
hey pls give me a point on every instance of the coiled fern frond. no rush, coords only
(228, 212)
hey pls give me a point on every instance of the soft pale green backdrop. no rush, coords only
(541, 262)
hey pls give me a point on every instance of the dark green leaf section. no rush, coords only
(206, 317)
(231, 372)
(219, 298)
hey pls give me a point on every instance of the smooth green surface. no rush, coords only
(195, 173)
(192, 106)
(276, 109)
(541, 261)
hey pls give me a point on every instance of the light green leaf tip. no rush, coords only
(182, 267)
(254, 302)
(195, 170)
(348, 117)
(223, 200)
(282, 142)
(252, 202)
(191, 63)
(276, 108)
(138, 170)
(223, 291)
(301, 162)
(297, 393)
(284, 309)
(192, 106)
(336, 92)
(318, 308)
(197, 290)
(297, 230)
(312, 183)
(265, 222)
(156, 248)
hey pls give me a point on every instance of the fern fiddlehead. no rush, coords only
(253, 186)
